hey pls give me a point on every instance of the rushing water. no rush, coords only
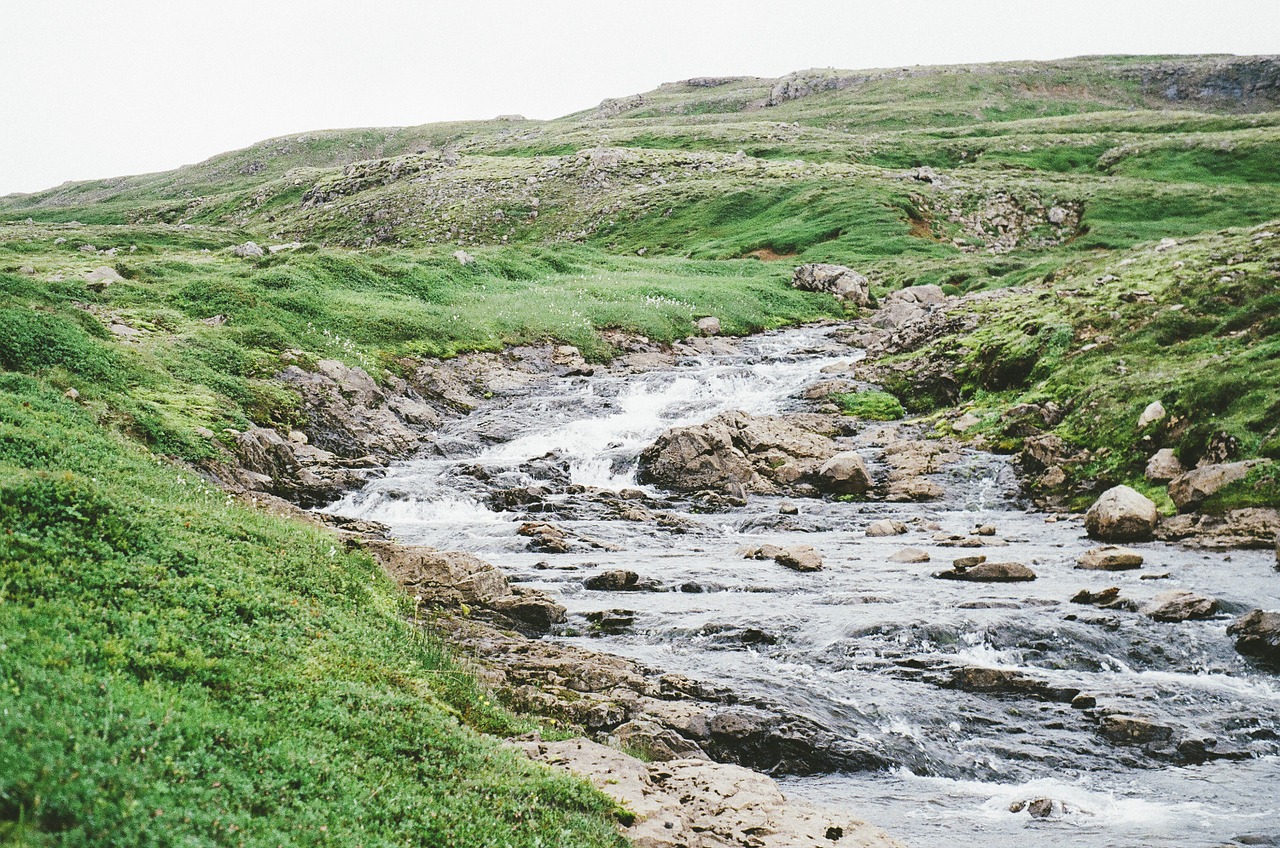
(868, 646)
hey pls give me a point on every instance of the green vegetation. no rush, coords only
(872, 405)
(175, 666)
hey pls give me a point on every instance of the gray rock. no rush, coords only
(1164, 466)
(1109, 558)
(886, 527)
(248, 250)
(1190, 490)
(978, 570)
(1121, 515)
(709, 326)
(1179, 605)
(100, 278)
(463, 257)
(844, 474)
(845, 283)
(1257, 634)
(910, 555)
(1154, 412)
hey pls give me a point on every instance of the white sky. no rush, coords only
(98, 88)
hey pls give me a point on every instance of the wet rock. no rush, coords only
(1121, 515)
(1109, 558)
(616, 580)
(886, 527)
(844, 283)
(1180, 605)
(532, 611)
(978, 570)
(1163, 466)
(1257, 634)
(1131, 730)
(1190, 490)
(611, 620)
(1040, 808)
(788, 508)
(910, 555)
(795, 557)
(1006, 681)
(1108, 598)
(1083, 702)
(759, 454)
(844, 474)
(546, 538)
(682, 803)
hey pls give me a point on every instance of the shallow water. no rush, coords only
(867, 646)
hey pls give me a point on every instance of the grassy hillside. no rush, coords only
(177, 667)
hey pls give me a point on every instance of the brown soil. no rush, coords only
(766, 254)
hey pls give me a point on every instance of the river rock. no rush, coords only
(1164, 466)
(657, 742)
(1190, 490)
(1131, 730)
(684, 803)
(760, 454)
(844, 474)
(616, 580)
(910, 555)
(1179, 605)
(1109, 558)
(978, 570)
(795, 557)
(845, 283)
(1108, 598)
(1121, 515)
(1257, 634)
(886, 527)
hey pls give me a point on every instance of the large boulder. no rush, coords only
(845, 283)
(1257, 634)
(1180, 605)
(844, 474)
(1190, 490)
(733, 453)
(1122, 515)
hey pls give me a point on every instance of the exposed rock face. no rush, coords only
(735, 452)
(1121, 515)
(303, 474)
(908, 305)
(1190, 490)
(450, 578)
(691, 803)
(1252, 527)
(1110, 558)
(350, 415)
(1257, 634)
(978, 570)
(845, 283)
(1164, 466)
(1179, 605)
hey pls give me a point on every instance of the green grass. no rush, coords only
(177, 667)
(871, 405)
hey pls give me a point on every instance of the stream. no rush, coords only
(868, 647)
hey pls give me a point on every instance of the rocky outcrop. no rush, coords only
(908, 305)
(692, 803)
(350, 415)
(1257, 634)
(267, 462)
(1121, 515)
(844, 283)
(1189, 490)
(735, 453)
(1252, 527)
(453, 578)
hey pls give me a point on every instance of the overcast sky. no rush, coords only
(98, 88)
